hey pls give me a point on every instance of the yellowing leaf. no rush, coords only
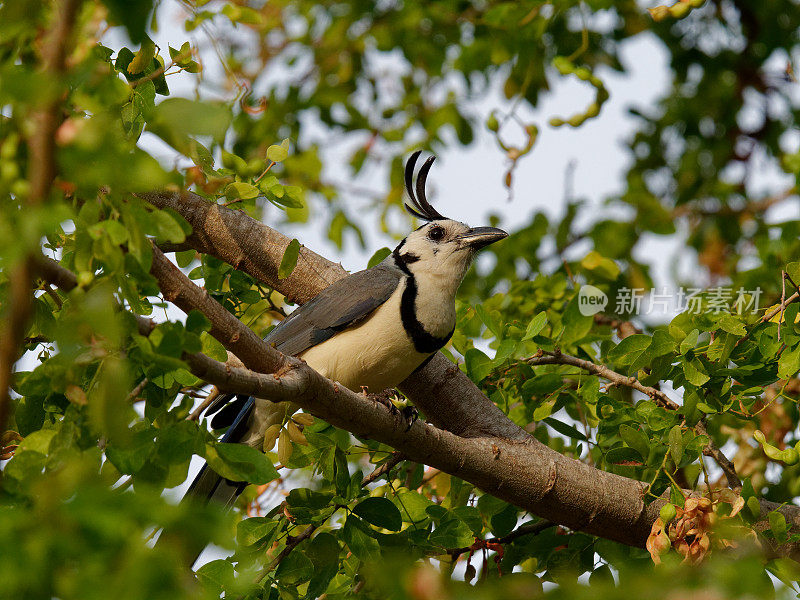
(277, 153)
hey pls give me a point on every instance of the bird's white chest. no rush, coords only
(378, 353)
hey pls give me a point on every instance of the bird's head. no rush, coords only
(441, 247)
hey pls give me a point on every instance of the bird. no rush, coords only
(369, 330)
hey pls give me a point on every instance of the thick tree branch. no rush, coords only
(527, 474)
(239, 339)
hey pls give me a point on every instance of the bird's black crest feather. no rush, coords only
(420, 207)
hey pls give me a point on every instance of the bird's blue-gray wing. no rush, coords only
(343, 304)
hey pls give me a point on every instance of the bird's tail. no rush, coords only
(207, 485)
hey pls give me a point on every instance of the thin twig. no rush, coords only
(724, 463)
(557, 358)
(783, 302)
(397, 457)
(136, 391)
(290, 545)
(430, 475)
(212, 395)
(531, 528)
(51, 292)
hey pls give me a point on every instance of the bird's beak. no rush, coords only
(479, 237)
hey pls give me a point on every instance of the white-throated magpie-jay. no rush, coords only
(371, 329)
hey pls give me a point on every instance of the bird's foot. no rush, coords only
(385, 399)
(410, 415)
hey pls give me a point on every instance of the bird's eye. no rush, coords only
(436, 233)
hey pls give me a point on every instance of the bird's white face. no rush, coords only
(445, 248)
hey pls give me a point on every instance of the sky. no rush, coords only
(467, 182)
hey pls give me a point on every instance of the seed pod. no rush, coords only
(284, 447)
(469, 573)
(295, 433)
(492, 123)
(667, 513)
(563, 64)
(270, 437)
(576, 120)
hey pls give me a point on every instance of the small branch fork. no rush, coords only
(660, 398)
(396, 458)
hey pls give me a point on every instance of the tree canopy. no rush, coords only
(568, 446)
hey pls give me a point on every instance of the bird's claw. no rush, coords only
(410, 415)
(385, 401)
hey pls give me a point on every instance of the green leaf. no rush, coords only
(504, 521)
(478, 364)
(239, 190)
(489, 320)
(238, 462)
(185, 258)
(168, 226)
(378, 257)
(277, 153)
(695, 372)
(323, 550)
(630, 350)
(197, 322)
(38, 441)
(107, 409)
(663, 343)
(622, 455)
(295, 568)
(216, 575)
(451, 532)
(175, 119)
(565, 429)
(133, 14)
(793, 271)
(636, 439)
(732, 325)
(777, 524)
(676, 444)
(690, 341)
(576, 324)
(789, 363)
(361, 544)
(307, 498)
(380, 512)
(251, 530)
(289, 260)
(535, 326)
